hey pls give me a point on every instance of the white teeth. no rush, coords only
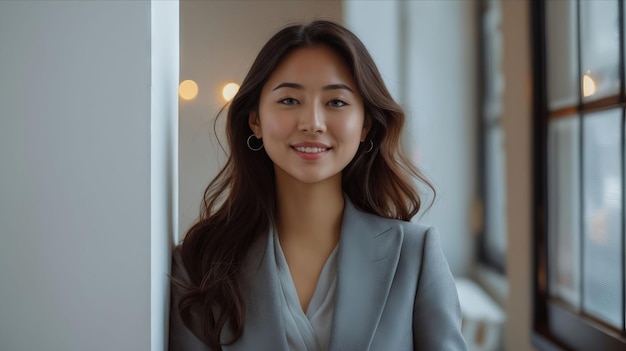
(310, 150)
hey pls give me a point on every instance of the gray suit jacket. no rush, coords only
(394, 292)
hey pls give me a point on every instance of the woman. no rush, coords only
(305, 240)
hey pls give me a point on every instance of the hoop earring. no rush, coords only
(252, 148)
(371, 146)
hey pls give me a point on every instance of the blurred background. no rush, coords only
(109, 135)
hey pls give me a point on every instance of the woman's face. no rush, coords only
(311, 116)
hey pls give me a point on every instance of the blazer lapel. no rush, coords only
(263, 328)
(369, 250)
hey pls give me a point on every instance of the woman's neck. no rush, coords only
(309, 214)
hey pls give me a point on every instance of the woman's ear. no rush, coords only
(255, 124)
(367, 125)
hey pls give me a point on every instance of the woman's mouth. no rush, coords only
(310, 151)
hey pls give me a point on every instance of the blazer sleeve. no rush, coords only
(437, 312)
(180, 337)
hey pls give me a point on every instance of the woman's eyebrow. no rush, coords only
(337, 86)
(289, 85)
(300, 87)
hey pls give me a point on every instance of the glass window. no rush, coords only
(599, 38)
(564, 209)
(562, 49)
(579, 166)
(493, 241)
(602, 187)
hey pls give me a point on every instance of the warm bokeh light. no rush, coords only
(589, 86)
(229, 91)
(188, 90)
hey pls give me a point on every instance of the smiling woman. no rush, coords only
(306, 243)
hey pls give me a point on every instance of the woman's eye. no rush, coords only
(288, 101)
(336, 103)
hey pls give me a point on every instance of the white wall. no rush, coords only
(75, 176)
(437, 88)
(219, 41)
(376, 23)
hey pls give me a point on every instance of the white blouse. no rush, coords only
(310, 331)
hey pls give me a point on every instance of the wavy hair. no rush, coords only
(239, 203)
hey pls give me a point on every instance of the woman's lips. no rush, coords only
(310, 151)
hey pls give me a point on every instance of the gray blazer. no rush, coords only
(394, 292)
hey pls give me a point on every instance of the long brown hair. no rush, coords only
(239, 203)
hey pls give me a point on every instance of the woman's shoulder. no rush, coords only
(414, 233)
(418, 237)
(414, 230)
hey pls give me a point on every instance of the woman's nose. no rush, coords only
(312, 120)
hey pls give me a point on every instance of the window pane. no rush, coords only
(492, 55)
(600, 49)
(562, 46)
(602, 186)
(495, 239)
(564, 209)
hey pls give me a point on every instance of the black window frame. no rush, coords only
(557, 326)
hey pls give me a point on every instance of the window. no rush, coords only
(579, 149)
(492, 242)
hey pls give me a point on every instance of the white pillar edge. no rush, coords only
(165, 58)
